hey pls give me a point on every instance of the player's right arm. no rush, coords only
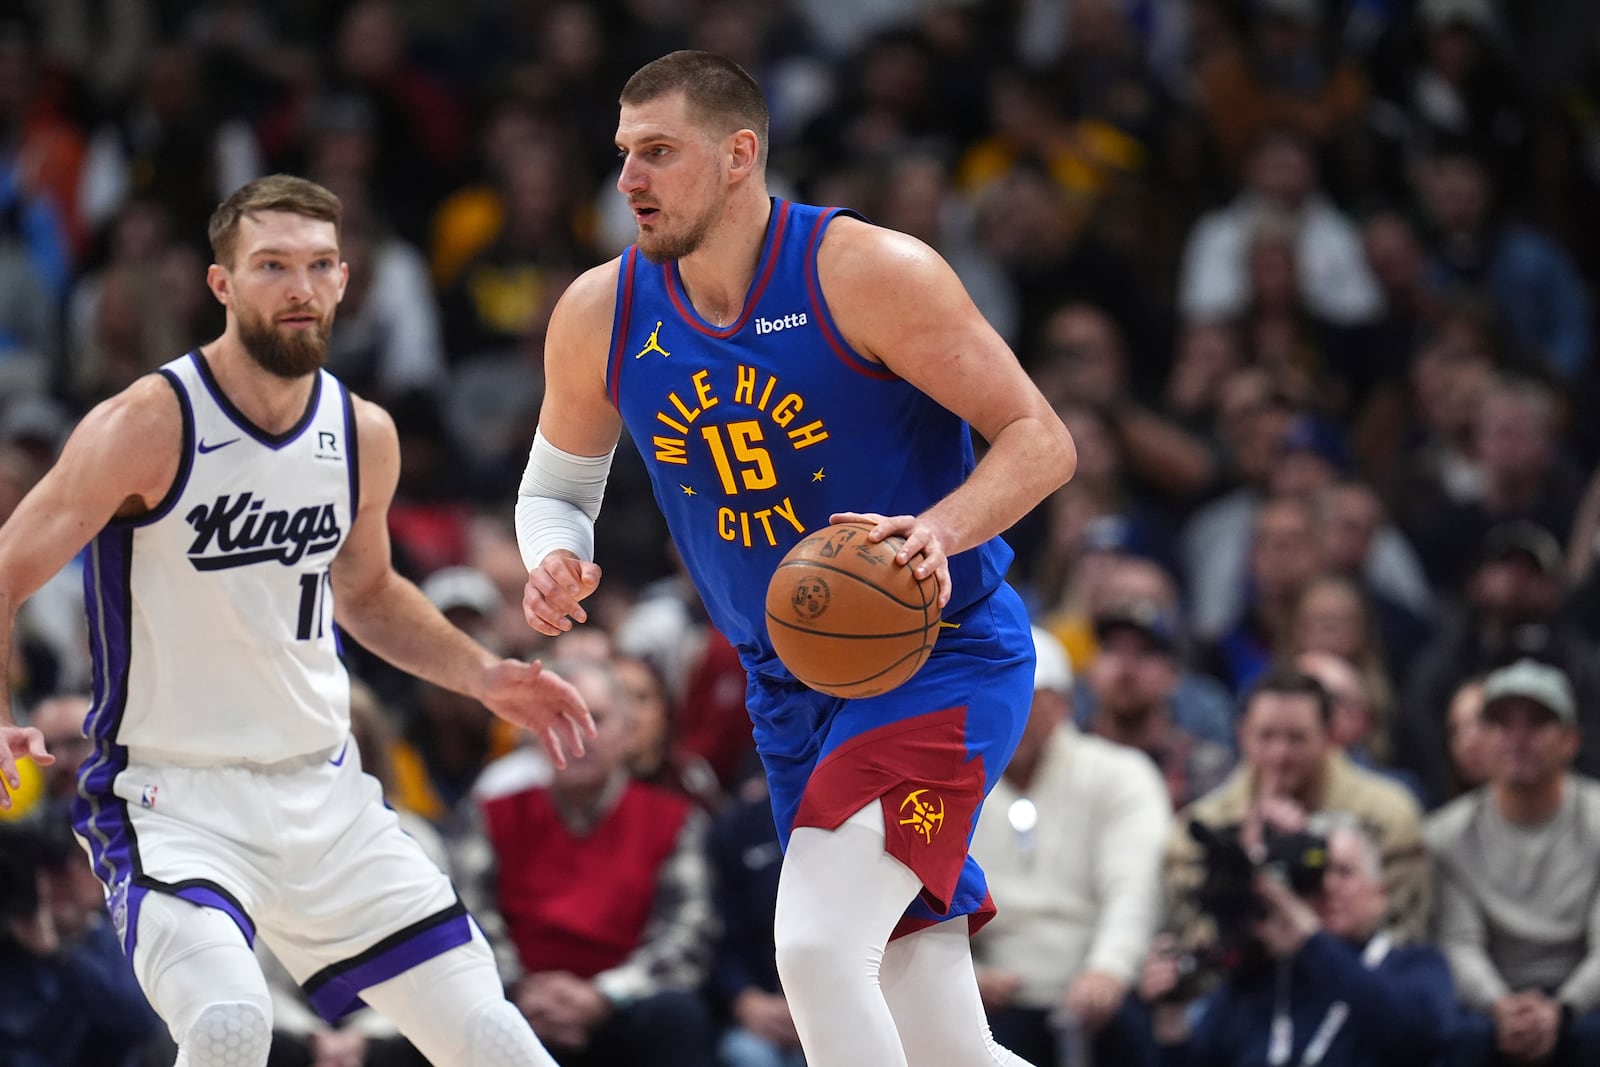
(571, 456)
(120, 460)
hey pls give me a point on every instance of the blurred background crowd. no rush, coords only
(1312, 282)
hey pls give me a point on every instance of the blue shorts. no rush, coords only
(929, 750)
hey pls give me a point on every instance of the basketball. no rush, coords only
(845, 618)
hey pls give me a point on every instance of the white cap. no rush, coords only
(463, 587)
(36, 417)
(1052, 669)
(1529, 679)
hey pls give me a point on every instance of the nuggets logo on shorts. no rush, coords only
(924, 816)
(810, 598)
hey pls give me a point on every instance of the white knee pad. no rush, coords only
(203, 979)
(229, 1034)
(454, 1011)
(501, 1037)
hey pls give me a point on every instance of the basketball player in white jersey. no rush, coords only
(235, 507)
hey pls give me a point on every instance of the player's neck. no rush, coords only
(717, 275)
(272, 403)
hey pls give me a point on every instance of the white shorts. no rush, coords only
(303, 852)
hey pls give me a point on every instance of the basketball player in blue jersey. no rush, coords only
(784, 367)
(235, 507)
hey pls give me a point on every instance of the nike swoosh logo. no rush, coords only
(337, 761)
(204, 448)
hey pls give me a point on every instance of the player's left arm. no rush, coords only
(898, 302)
(388, 614)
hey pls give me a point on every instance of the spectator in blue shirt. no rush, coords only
(1534, 284)
(1338, 991)
(67, 993)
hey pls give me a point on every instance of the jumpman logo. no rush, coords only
(654, 344)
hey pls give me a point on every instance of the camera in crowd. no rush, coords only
(1227, 895)
(27, 848)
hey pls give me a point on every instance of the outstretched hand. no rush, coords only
(19, 742)
(920, 537)
(547, 705)
(550, 600)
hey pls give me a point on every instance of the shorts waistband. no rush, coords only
(156, 757)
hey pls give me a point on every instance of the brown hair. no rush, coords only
(720, 94)
(275, 192)
(1285, 680)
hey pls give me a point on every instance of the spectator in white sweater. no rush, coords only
(1280, 188)
(1071, 840)
(1519, 889)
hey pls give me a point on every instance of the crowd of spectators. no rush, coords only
(1312, 282)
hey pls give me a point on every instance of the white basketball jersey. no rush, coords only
(211, 617)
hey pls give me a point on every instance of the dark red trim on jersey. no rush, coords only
(917, 768)
(976, 920)
(830, 333)
(619, 324)
(769, 263)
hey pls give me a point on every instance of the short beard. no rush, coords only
(290, 356)
(1132, 712)
(663, 249)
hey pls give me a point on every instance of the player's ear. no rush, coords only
(744, 152)
(220, 282)
(344, 280)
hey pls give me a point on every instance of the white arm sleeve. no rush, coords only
(558, 501)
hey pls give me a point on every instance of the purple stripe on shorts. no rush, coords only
(208, 896)
(336, 991)
(98, 815)
(101, 819)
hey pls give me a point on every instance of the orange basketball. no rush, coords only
(845, 618)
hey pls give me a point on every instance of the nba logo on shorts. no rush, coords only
(147, 796)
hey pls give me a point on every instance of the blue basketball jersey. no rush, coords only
(756, 432)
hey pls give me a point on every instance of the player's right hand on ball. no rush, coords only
(550, 601)
(920, 539)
